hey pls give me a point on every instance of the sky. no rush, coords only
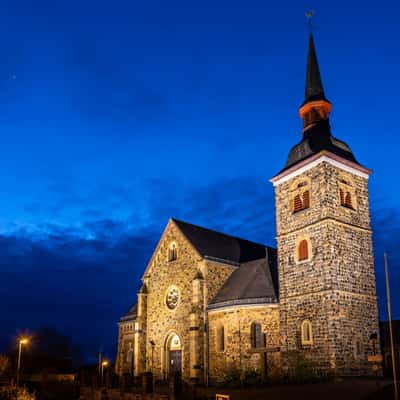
(115, 116)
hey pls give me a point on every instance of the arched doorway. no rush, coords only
(174, 354)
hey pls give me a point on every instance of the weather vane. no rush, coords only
(309, 15)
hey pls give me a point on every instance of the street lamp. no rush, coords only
(104, 364)
(22, 341)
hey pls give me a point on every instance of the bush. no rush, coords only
(9, 393)
(4, 364)
(252, 377)
(302, 370)
(232, 377)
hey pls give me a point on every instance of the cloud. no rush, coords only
(80, 278)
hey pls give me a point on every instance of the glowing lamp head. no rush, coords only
(24, 340)
(104, 363)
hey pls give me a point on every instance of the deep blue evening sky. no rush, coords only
(116, 115)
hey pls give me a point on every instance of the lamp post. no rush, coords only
(103, 365)
(21, 342)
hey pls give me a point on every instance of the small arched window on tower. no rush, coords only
(256, 335)
(172, 252)
(300, 196)
(302, 250)
(306, 333)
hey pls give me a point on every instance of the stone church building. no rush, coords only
(212, 303)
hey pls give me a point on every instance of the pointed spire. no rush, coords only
(315, 106)
(314, 89)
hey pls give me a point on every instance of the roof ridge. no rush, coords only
(219, 232)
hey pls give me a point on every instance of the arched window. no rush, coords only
(129, 354)
(341, 195)
(306, 199)
(300, 195)
(256, 335)
(297, 203)
(347, 200)
(306, 332)
(347, 196)
(357, 348)
(172, 252)
(303, 250)
(221, 338)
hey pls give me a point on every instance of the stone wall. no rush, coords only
(340, 267)
(238, 353)
(197, 281)
(125, 343)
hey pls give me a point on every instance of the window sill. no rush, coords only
(300, 211)
(348, 208)
(303, 261)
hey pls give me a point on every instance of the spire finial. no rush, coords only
(309, 15)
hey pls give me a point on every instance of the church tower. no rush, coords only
(327, 295)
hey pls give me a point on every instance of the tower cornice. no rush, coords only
(323, 156)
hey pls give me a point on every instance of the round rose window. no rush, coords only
(172, 297)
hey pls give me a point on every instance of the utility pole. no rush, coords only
(100, 361)
(396, 392)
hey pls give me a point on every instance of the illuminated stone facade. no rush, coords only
(212, 304)
(239, 352)
(335, 287)
(197, 281)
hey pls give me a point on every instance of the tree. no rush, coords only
(4, 364)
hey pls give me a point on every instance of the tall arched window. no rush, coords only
(221, 338)
(172, 252)
(256, 335)
(306, 332)
(303, 250)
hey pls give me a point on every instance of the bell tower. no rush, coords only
(327, 295)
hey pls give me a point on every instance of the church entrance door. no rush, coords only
(175, 361)
(174, 351)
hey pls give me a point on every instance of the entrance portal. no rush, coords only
(174, 352)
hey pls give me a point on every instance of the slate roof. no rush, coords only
(314, 89)
(219, 246)
(254, 282)
(316, 139)
(256, 276)
(130, 315)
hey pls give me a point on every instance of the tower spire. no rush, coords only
(314, 89)
(315, 106)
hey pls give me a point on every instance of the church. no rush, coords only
(212, 303)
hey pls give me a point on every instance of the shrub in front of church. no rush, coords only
(301, 370)
(11, 393)
(252, 377)
(232, 377)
